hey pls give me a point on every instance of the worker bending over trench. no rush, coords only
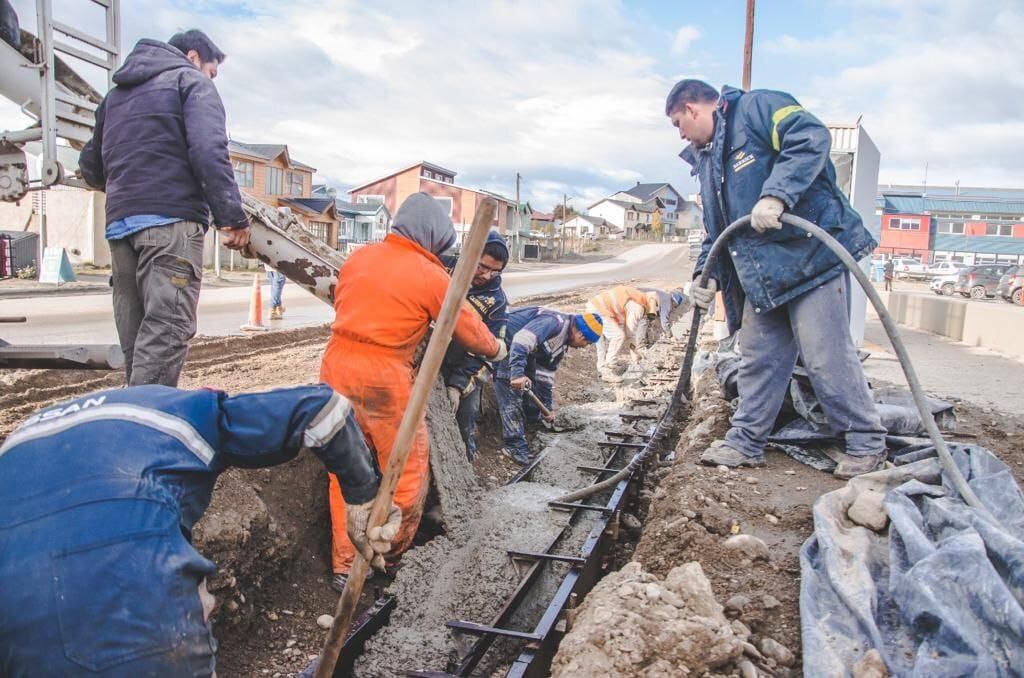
(622, 308)
(100, 495)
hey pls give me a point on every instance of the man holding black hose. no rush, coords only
(760, 153)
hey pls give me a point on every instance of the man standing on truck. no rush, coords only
(160, 152)
(761, 154)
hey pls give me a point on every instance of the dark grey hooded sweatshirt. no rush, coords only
(422, 219)
(160, 144)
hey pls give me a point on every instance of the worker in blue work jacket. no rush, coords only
(760, 153)
(464, 372)
(539, 339)
(98, 498)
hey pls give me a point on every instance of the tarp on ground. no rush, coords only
(938, 592)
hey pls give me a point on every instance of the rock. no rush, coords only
(791, 473)
(770, 602)
(689, 514)
(751, 480)
(773, 649)
(747, 545)
(740, 629)
(774, 520)
(737, 603)
(232, 606)
(871, 665)
(291, 642)
(722, 468)
(868, 510)
(630, 522)
(746, 668)
(272, 616)
(324, 621)
(287, 612)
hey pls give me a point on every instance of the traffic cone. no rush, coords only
(255, 323)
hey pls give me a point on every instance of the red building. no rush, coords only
(906, 234)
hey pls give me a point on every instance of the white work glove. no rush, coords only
(766, 214)
(375, 542)
(454, 396)
(703, 296)
(502, 352)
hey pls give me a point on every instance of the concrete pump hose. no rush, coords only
(683, 384)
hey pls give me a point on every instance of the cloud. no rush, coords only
(684, 38)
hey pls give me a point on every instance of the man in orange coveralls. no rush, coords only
(386, 296)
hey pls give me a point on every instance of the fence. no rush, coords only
(18, 250)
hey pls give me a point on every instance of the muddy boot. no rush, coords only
(850, 466)
(516, 456)
(720, 454)
(611, 377)
(338, 582)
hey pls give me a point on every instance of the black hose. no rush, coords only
(683, 384)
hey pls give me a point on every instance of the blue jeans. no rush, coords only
(815, 326)
(276, 286)
(516, 409)
(466, 416)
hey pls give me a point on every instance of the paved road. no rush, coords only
(88, 318)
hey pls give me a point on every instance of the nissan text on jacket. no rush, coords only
(160, 144)
(98, 499)
(766, 144)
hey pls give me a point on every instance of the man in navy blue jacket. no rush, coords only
(539, 338)
(760, 153)
(160, 152)
(98, 498)
(462, 372)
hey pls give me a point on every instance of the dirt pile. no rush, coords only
(637, 624)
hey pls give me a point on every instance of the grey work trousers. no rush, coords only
(815, 326)
(157, 273)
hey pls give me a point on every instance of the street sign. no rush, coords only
(56, 268)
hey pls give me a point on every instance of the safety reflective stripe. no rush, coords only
(327, 422)
(168, 424)
(777, 118)
(545, 376)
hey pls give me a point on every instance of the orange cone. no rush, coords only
(255, 323)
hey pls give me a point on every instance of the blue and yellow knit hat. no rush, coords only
(590, 326)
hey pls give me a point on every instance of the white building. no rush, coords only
(647, 193)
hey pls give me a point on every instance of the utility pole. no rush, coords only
(519, 222)
(748, 45)
(561, 241)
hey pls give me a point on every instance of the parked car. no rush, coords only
(907, 267)
(1010, 285)
(944, 268)
(944, 284)
(981, 281)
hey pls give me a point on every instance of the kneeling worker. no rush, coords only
(540, 338)
(463, 372)
(99, 498)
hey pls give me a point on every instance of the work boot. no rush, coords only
(338, 582)
(610, 377)
(277, 313)
(720, 454)
(851, 466)
(516, 456)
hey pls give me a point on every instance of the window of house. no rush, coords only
(1005, 230)
(275, 181)
(669, 202)
(346, 228)
(319, 229)
(953, 227)
(904, 224)
(295, 183)
(370, 199)
(243, 173)
(447, 203)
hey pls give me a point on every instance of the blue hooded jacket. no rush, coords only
(766, 144)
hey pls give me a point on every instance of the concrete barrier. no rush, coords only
(996, 326)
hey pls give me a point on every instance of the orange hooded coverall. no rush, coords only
(386, 296)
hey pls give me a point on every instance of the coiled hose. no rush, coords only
(679, 395)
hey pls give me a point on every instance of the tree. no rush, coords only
(657, 227)
(557, 213)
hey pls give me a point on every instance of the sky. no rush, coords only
(570, 93)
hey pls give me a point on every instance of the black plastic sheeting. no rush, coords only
(939, 592)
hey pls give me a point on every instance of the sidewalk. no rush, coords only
(97, 281)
